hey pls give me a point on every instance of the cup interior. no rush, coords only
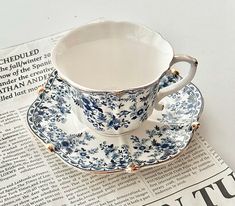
(112, 56)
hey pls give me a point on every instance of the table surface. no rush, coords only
(203, 29)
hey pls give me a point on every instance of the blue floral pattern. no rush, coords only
(52, 119)
(107, 111)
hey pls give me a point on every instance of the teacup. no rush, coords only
(115, 69)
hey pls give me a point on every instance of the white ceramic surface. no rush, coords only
(161, 138)
(115, 68)
(193, 27)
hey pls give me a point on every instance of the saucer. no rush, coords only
(162, 137)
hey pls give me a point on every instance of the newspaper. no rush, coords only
(29, 175)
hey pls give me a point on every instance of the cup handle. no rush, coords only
(180, 84)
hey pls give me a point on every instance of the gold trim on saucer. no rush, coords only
(50, 147)
(132, 168)
(195, 125)
(40, 89)
(119, 93)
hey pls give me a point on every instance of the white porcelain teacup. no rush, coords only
(115, 68)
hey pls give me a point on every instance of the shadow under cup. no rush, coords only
(114, 69)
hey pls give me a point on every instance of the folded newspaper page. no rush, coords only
(29, 175)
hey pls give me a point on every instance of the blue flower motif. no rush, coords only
(85, 100)
(114, 123)
(140, 111)
(160, 141)
(65, 143)
(98, 106)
